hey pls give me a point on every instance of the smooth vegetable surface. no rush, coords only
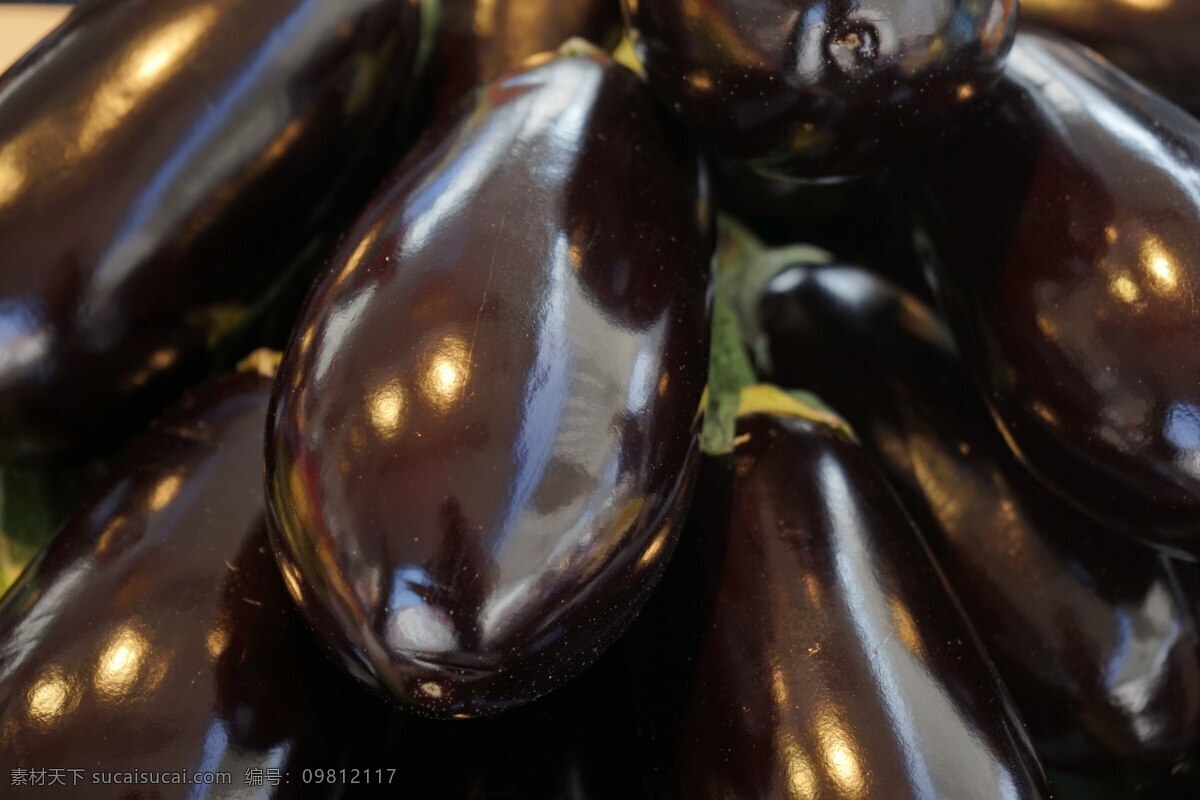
(481, 39)
(1070, 269)
(1153, 40)
(820, 89)
(154, 633)
(1078, 619)
(804, 645)
(161, 163)
(485, 427)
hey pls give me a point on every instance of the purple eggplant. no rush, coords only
(1069, 268)
(479, 40)
(803, 644)
(1153, 40)
(154, 633)
(485, 427)
(860, 221)
(824, 89)
(162, 162)
(1086, 626)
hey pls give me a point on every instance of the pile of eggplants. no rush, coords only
(164, 166)
(1071, 282)
(1075, 617)
(603, 399)
(484, 430)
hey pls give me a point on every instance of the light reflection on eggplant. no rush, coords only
(479, 40)
(486, 424)
(1152, 40)
(1070, 282)
(154, 633)
(1087, 627)
(166, 169)
(803, 644)
(820, 90)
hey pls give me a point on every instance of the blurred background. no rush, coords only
(23, 24)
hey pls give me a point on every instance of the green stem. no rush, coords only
(264, 361)
(626, 56)
(578, 46)
(742, 267)
(34, 503)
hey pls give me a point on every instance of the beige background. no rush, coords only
(21, 26)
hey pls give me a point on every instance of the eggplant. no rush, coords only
(819, 90)
(860, 221)
(485, 426)
(162, 162)
(1079, 620)
(1154, 41)
(154, 633)
(479, 40)
(803, 644)
(1071, 282)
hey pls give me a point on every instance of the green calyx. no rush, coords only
(626, 56)
(264, 361)
(742, 267)
(34, 503)
(578, 47)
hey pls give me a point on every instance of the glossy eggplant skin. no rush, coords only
(803, 644)
(1077, 619)
(479, 40)
(485, 427)
(1155, 41)
(818, 90)
(161, 162)
(154, 633)
(1070, 283)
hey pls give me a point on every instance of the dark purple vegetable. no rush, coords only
(154, 633)
(161, 162)
(820, 89)
(804, 645)
(481, 39)
(1087, 627)
(1189, 579)
(861, 221)
(1153, 40)
(1071, 282)
(485, 428)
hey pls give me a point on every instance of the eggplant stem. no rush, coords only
(264, 361)
(766, 398)
(578, 47)
(742, 267)
(625, 55)
(34, 503)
